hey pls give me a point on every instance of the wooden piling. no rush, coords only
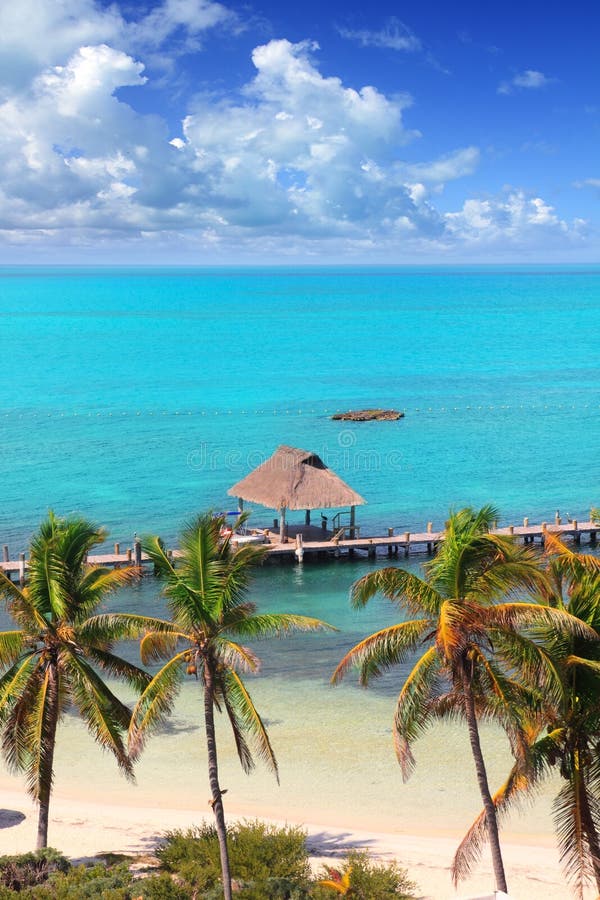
(21, 569)
(5, 555)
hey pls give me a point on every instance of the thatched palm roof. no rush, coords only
(295, 479)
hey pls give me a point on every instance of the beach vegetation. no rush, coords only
(564, 737)
(268, 862)
(360, 878)
(261, 856)
(52, 663)
(26, 869)
(206, 590)
(475, 656)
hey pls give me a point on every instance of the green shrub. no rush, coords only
(266, 861)
(27, 869)
(161, 887)
(83, 882)
(368, 880)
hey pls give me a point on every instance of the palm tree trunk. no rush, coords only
(213, 777)
(484, 789)
(47, 761)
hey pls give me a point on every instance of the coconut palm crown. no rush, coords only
(474, 658)
(50, 664)
(206, 589)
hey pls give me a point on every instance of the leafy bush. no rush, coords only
(267, 862)
(27, 869)
(361, 879)
(83, 882)
(161, 887)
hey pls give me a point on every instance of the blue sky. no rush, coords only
(200, 132)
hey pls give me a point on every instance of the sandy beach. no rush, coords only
(339, 780)
(82, 829)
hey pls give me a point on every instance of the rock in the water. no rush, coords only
(369, 415)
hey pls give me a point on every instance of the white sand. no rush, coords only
(82, 829)
(339, 779)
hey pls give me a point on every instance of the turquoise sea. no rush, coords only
(138, 396)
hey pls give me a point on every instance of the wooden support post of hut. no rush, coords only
(282, 537)
(294, 479)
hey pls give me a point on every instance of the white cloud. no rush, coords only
(511, 220)
(530, 79)
(395, 35)
(447, 168)
(587, 182)
(295, 161)
(191, 17)
(38, 33)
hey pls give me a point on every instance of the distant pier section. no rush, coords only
(309, 542)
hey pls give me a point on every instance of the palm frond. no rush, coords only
(515, 615)
(399, 586)
(107, 718)
(242, 711)
(96, 584)
(11, 645)
(455, 623)
(13, 682)
(410, 719)
(19, 604)
(579, 662)
(117, 667)
(155, 704)
(158, 645)
(382, 650)
(267, 625)
(572, 840)
(233, 655)
(39, 725)
(106, 628)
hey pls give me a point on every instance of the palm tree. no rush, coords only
(474, 661)
(206, 592)
(566, 736)
(51, 662)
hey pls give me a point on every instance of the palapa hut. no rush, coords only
(296, 479)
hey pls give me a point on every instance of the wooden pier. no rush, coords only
(312, 543)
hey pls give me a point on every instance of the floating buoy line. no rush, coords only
(292, 411)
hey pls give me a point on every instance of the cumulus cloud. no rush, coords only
(37, 33)
(295, 159)
(510, 220)
(394, 35)
(530, 79)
